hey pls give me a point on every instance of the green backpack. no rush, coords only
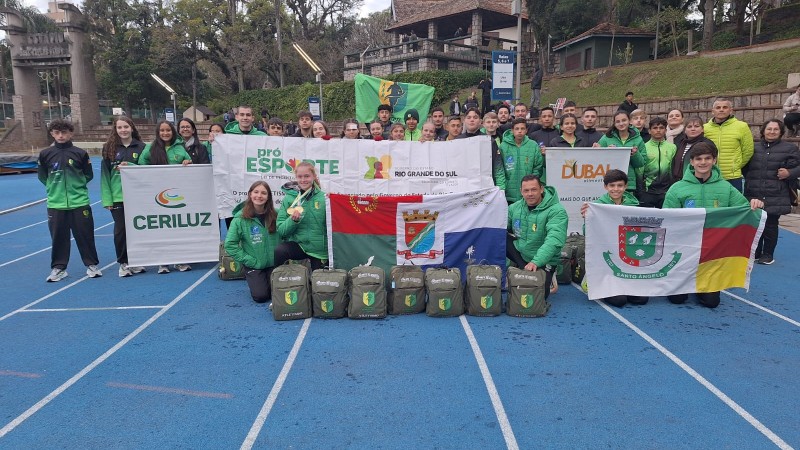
(290, 292)
(367, 293)
(526, 293)
(228, 268)
(407, 294)
(329, 293)
(484, 290)
(445, 292)
(578, 243)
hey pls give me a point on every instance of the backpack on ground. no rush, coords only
(578, 244)
(367, 293)
(407, 294)
(445, 292)
(290, 292)
(484, 291)
(228, 268)
(526, 293)
(329, 293)
(565, 266)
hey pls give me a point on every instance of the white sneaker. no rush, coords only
(56, 275)
(137, 269)
(163, 269)
(124, 270)
(183, 267)
(93, 271)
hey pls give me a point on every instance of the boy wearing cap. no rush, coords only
(411, 118)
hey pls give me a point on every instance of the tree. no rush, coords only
(540, 16)
(368, 31)
(314, 15)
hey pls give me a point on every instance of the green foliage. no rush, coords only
(338, 98)
(723, 40)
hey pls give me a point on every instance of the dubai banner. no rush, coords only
(656, 252)
(170, 215)
(577, 174)
(425, 230)
(372, 92)
(349, 166)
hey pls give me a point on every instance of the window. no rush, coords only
(413, 66)
(398, 67)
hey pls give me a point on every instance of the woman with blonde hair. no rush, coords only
(301, 219)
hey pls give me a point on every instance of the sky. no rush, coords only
(369, 5)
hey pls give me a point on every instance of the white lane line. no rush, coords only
(22, 228)
(108, 308)
(46, 248)
(75, 378)
(252, 435)
(168, 390)
(51, 294)
(500, 412)
(780, 443)
(17, 208)
(12, 373)
(763, 308)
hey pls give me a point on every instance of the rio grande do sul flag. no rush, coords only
(656, 252)
(372, 92)
(425, 230)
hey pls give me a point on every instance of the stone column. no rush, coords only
(476, 39)
(85, 107)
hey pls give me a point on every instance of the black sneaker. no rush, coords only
(766, 260)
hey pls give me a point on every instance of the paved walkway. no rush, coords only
(791, 222)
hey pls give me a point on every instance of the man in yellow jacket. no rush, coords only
(733, 139)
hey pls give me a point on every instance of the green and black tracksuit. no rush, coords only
(65, 170)
(111, 192)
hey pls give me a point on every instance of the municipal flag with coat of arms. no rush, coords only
(372, 92)
(454, 230)
(657, 252)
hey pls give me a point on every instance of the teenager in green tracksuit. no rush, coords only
(537, 226)
(703, 186)
(123, 147)
(616, 185)
(623, 134)
(301, 220)
(252, 238)
(65, 170)
(521, 157)
(165, 149)
(657, 170)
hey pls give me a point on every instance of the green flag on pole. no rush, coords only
(372, 92)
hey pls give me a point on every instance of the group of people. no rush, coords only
(675, 162)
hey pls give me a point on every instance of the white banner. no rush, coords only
(170, 216)
(347, 166)
(577, 174)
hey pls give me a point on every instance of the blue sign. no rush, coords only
(313, 107)
(169, 115)
(503, 63)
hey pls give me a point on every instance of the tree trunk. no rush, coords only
(708, 24)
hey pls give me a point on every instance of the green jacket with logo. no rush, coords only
(734, 142)
(311, 231)
(542, 231)
(518, 161)
(628, 199)
(714, 193)
(233, 128)
(414, 136)
(657, 170)
(249, 242)
(176, 154)
(110, 179)
(65, 171)
(637, 159)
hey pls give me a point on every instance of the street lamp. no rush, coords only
(516, 9)
(173, 95)
(316, 69)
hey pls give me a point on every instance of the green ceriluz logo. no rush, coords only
(170, 200)
(641, 244)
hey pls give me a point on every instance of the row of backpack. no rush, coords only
(362, 292)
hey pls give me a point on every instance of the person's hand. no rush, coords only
(584, 208)
(544, 150)
(783, 174)
(634, 150)
(125, 163)
(211, 138)
(596, 145)
(531, 267)
(296, 215)
(109, 208)
(186, 162)
(756, 203)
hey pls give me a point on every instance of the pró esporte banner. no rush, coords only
(349, 166)
(170, 214)
(577, 174)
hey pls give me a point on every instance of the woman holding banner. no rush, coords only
(301, 220)
(568, 124)
(623, 134)
(253, 237)
(123, 147)
(165, 149)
